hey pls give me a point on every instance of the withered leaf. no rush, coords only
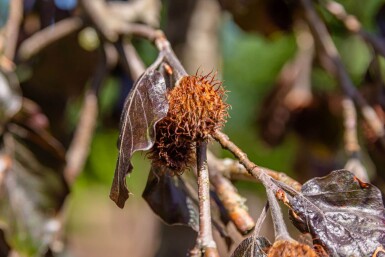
(168, 198)
(33, 188)
(144, 107)
(343, 214)
(174, 200)
(252, 247)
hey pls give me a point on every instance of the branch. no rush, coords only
(45, 37)
(261, 219)
(112, 24)
(79, 149)
(327, 45)
(232, 201)
(280, 228)
(353, 25)
(135, 64)
(234, 170)
(12, 28)
(350, 122)
(164, 47)
(205, 241)
(352, 147)
(97, 11)
(146, 11)
(256, 171)
(258, 225)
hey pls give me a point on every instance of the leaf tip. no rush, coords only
(119, 192)
(118, 198)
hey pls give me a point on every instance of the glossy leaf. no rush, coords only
(168, 198)
(343, 214)
(32, 189)
(252, 247)
(144, 107)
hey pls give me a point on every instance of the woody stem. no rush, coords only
(205, 239)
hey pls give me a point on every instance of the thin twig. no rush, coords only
(45, 37)
(258, 225)
(99, 14)
(205, 240)
(256, 171)
(129, 59)
(234, 170)
(232, 201)
(139, 30)
(353, 25)
(322, 36)
(147, 11)
(261, 219)
(164, 46)
(350, 122)
(78, 151)
(12, 28)
(352, 147)
(135, 64)
(280, 228)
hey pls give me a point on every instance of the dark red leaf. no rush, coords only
(144, 107)
(174, 200)
(168, 198)
(343, 214)
(252, 247)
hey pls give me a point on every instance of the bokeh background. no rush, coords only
(252, 44)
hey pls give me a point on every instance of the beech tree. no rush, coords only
(52, 52)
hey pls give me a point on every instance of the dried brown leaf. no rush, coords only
(144, 107)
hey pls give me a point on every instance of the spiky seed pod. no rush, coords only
(285, 248)
(170, 150)
(196, 110)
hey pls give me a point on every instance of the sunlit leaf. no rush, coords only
(145, 106)
(343, 214)
(252, 247)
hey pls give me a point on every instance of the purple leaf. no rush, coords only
(174, 200)
(168, 198)
(144, 107)
(252, 247)
(343, 214)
